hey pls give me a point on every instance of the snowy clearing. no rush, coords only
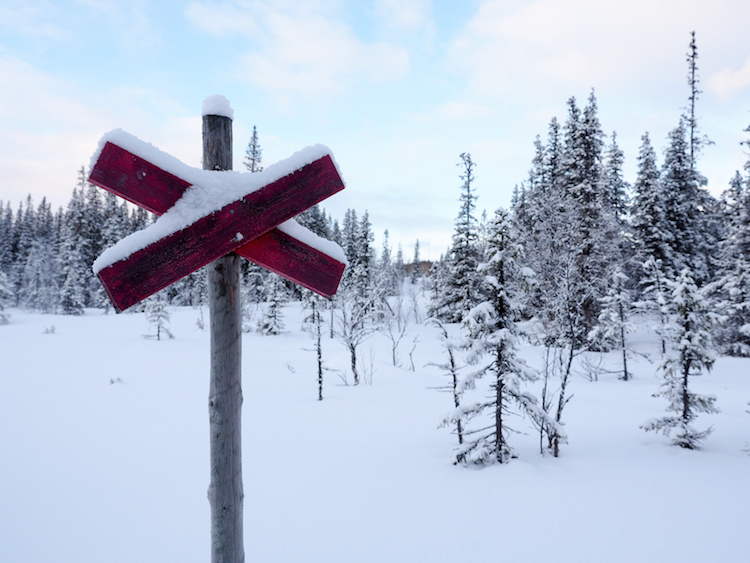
(104, 440)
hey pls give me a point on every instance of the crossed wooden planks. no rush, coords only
(246, 226)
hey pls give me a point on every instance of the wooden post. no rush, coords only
(225, 493)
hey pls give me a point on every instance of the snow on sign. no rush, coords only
(207, 214)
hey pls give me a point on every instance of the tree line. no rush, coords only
(578, 256)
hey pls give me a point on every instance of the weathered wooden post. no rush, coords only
(225, 493)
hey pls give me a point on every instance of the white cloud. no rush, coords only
(319, 57)
(222, 18)
(301, 49)
(408, 16)
(33, 20)
(547, 44)
(51, 127)
(729, 82)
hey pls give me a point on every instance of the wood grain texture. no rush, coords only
(164, 262)
(144, 184)
(225, 491)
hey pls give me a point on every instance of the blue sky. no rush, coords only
(396, 88)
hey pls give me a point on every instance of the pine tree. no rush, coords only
(692, 339)
(386, 282)
(415, 273)
(460, 293)
(732, 289)
(315, 219)
(655, 297)
(357, 297)
(652, 237)
(73, 271)
(23, 238)
(684, 203)
(593, 221)
(695, 140)
(93, 220)
(614, 187)
(39, 287)
(6, 298)
(614, 320)
(493, 334)
(398, 267)
(6, 237)
(253, 153)
(272, 322)
(114, 225)
(157, 315)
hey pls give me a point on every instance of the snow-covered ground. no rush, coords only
(104, 457)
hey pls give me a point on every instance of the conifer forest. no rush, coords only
(582, 257)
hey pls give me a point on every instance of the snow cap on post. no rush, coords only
(218, 105)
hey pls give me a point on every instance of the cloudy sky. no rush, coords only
(396, 88)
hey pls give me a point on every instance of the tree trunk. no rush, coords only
(317, 320)
(499, 439)
(353, 355)
(225, 493)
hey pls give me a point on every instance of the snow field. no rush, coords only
(97, 471)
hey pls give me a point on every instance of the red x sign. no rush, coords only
(209, 222)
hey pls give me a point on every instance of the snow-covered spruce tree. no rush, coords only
(652, 238)
(543, 218)
(316, 220)
(687, 210)
(614, 187)
(253, 153)
(691, 337)
(93, 221)
(74, 274)
(655, 298)
(461, 291)
(272, 322)
(24, 229)
(614, 320)
(158, 316)
(415, 273)
(398, 267)
(38, 279)
(386, 277)
(356, 300)
(6, 237)
(593, 221)
(696, 141)
(732, 289)
(39, 289)
(493, 340)
(6, 298)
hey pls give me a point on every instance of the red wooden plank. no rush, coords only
(164, 262)
(142, 183)
(137, 180)
(281, 253)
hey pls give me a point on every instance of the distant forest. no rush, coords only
(579, 253)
